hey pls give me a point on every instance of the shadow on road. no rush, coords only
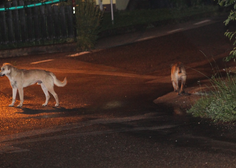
(64, 112)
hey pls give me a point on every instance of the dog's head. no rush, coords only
(5, 69)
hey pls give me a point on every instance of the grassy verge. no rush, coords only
(220, 104)
(128, 21)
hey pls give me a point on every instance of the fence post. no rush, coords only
(16, 23)
(37, 33)
(23, 24)
(63, 21)
(70, 23)
(42, 23)
(3, 27)
(50, 24)
(11, 35)
(56, 22)
(29, 24)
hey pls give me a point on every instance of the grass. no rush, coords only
(155, 17)
(220, 104)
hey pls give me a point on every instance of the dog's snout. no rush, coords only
(2, 74)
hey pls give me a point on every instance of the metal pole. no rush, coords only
(112, 15)
(73, 6)
(100, 5)
(74, 17)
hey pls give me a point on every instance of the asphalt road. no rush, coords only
(107, 117)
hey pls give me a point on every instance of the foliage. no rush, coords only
(220, 104)
(184, 3)
(155, 4)
(88, 18)
(155, 16)
(126, 21)
(232, 17)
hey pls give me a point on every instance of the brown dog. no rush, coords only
(178, 77)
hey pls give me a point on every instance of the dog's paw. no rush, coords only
(56, 105)
(44, 104)
(19, 106)
(10, 105)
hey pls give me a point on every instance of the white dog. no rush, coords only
(20, 78)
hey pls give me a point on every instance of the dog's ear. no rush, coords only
(6, 64)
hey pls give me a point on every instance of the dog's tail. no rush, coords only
(58, 82)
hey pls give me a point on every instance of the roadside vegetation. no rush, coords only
(139, 20)
(91, 24)
(231, 34)
(220, 104)
(88, 18)
(146, 18)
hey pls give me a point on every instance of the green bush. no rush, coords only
(88, 18)
(230, 4)
(220, 104)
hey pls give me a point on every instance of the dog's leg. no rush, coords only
(51, 90)
(183, 80)
(45, 90)
(50, 87)
(182, 87)
(14, 91)
(174, 86)
(21, 94)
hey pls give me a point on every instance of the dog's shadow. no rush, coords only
(59, 110)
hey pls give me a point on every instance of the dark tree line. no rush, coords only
(154, 4)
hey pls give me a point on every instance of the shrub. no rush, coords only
(220, 104)
(88, 18)
(231, 4)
